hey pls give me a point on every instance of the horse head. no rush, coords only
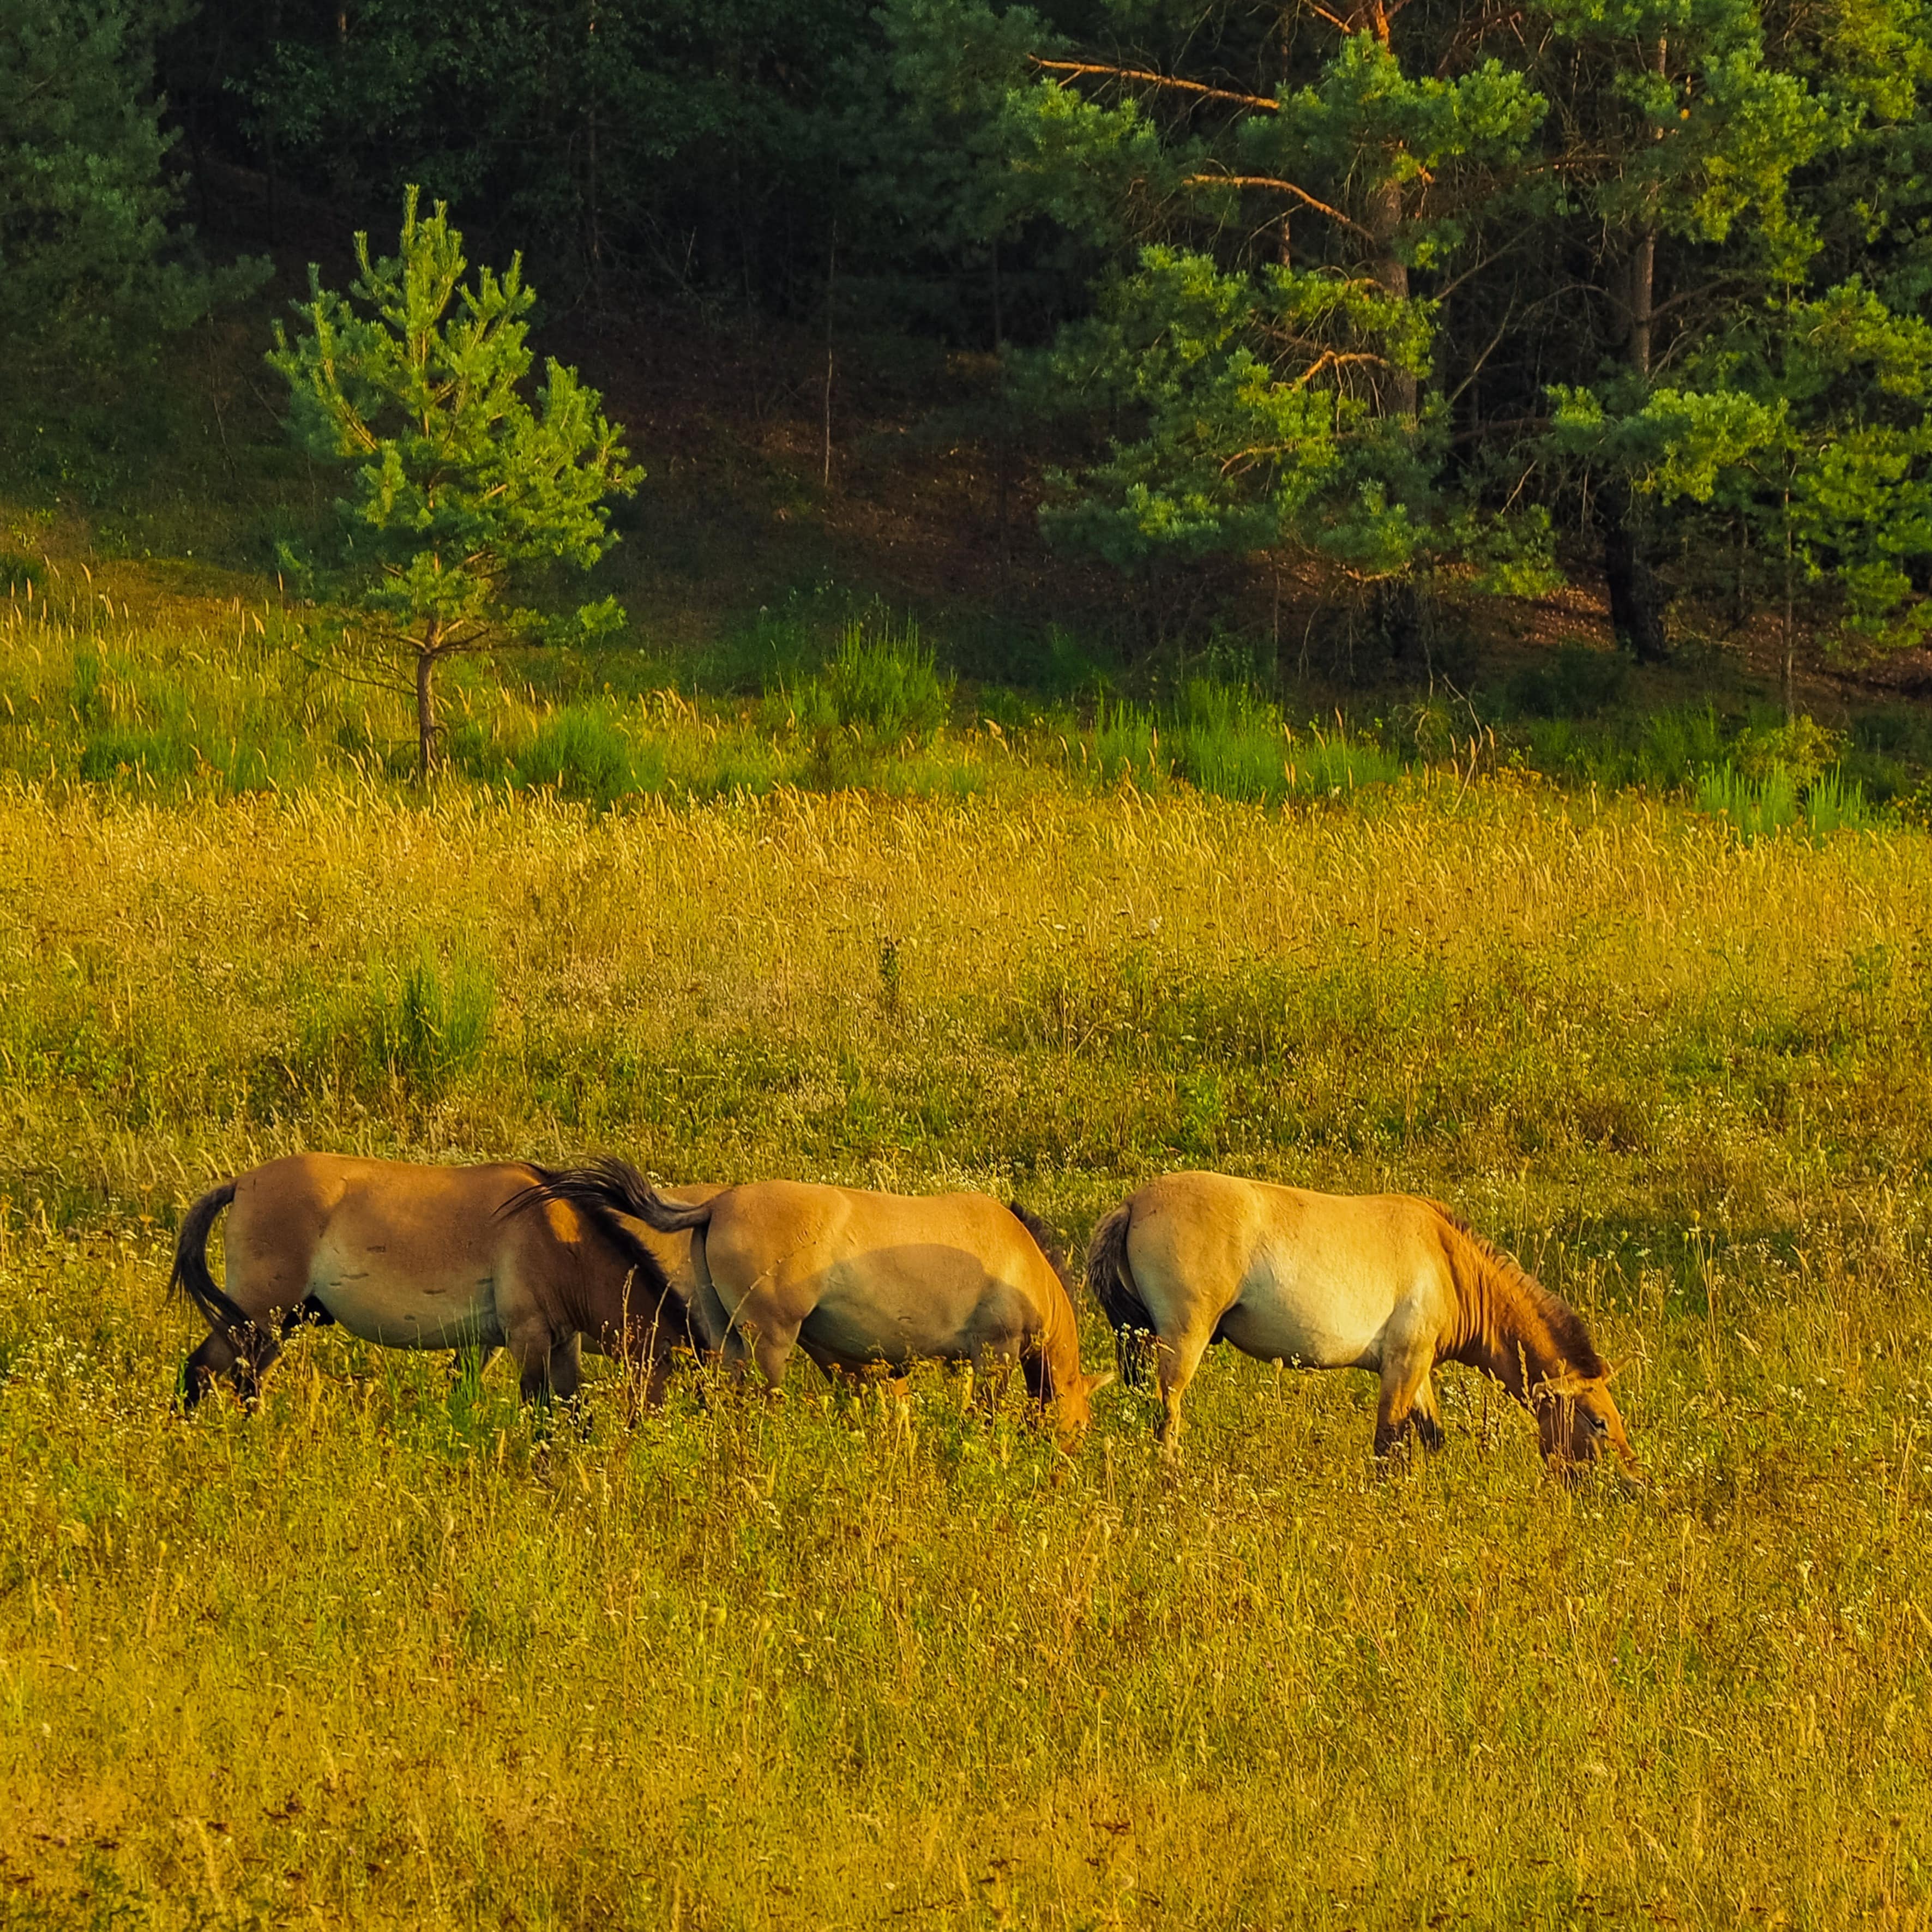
(1073, 1406)
(1577, 1420)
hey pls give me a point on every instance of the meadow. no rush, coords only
(390, 1652)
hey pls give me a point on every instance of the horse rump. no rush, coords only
(1112, 1282)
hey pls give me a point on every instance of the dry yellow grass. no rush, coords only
(376, 1655)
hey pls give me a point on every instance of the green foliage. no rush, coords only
(1778, 800)
(1222, 739)
(461, 491)
(579, 752)
(1254, 404)
(1817, 442)
(700, 144)
(422, 1018)
(880, 686)
(1239, 448)
(91, 269)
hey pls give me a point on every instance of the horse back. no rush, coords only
(395, 1250)
(1284, 1272)
(943, 1266)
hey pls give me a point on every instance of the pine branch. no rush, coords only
(1260, 101)
(1285, 187)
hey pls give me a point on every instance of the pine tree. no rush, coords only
(1663, 198)
(85, 203)
(1257, 191)
(462, 493)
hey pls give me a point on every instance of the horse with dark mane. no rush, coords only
(427, 1258)
(1389, 1282)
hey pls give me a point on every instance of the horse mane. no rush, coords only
(1046, 1238)
(1048, 1241)
(1504, 1278)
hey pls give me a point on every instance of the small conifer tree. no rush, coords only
(463, 493)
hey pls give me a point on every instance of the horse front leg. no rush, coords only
(1407, 1401)
(548, 1364)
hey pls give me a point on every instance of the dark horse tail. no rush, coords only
(190, 1276)
(1114, 1287)
(611, 1185)
(604, 1190)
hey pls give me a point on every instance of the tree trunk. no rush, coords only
(1000, 458)
(1391, 271)
(1790, 622)
(1636, 597)
(1643, 302)
(1401, 619)
(425, 714)
(831, 280)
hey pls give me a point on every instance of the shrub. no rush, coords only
(1801, 746)
(880, 687)
(579, 752)
(422, 1018)
(1578, 681)
(1762, 806)
(429, 1018)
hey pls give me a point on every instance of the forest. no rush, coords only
(1390, 314)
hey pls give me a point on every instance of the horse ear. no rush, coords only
(1565, 1387)
(1098, 1379)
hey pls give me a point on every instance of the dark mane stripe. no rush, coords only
(1569, 1334)
(1047, 1240)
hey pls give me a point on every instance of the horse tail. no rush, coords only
(1112, 1280)
(612, 1186)
(190, 1277)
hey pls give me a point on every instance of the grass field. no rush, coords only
(382, 1653)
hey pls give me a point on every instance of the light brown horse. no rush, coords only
(427, 1258)
(862, 1281)
(1384, 1282)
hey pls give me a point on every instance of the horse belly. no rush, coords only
(1312, 1323)
(898, 1321)
(429, 1310)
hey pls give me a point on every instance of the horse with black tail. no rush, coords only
(863, 1281)
(423, 1257)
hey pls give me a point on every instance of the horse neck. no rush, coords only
(1500, 1329)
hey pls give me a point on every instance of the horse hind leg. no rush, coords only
(772, 1347)
(1175, 1362)
(244, 1363)
(217, 1356)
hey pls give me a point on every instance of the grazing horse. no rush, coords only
(427, 1258)
(1384, 1282)
(862, 1281)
